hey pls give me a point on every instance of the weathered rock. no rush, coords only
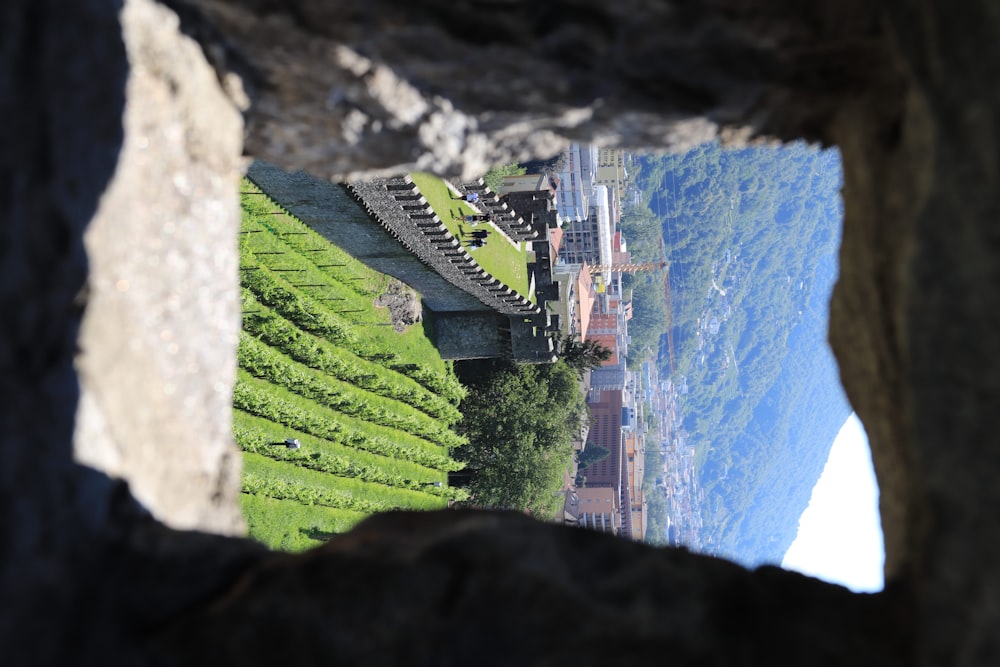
(908, 91)
(403, 304)
(155, 365)
(486, 588)
(77, 555)
(60, 131)
(373, 87)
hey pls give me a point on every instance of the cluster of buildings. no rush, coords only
(578, 258)
(608, 494)
(568, 222)
(589, 255)
(676, 478)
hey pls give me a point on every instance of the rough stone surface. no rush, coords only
(906, 90)
(472, 335)
(944, 191)
(403, 304)
(155, 363)
(45, 204)
(486, 588)
(368, 87)
(77, 555)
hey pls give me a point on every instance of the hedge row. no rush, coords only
(341, 364)
(267, 363)
(311, 315)
(258, 441)
(340, 487)
(322, 423)
(304, 495)
(274, 432)
(288, 234)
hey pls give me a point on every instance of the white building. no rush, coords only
(576, 182)
(591, 239)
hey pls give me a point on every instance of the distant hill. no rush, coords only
(751, 236)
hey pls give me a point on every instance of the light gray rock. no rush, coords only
(156, 362)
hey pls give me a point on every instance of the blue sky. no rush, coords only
(840, 535)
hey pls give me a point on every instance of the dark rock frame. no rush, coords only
(117, 139)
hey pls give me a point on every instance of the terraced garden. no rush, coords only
(338, 414)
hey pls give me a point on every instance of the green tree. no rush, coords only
(520, 421)
(582, 356)
(494, 177)
(592, 455)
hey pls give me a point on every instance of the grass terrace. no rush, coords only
(369, 410)
(501, 258)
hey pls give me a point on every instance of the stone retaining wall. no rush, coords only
(418, 228)
(330, 210)
(388, 225)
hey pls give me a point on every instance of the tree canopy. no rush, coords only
(494, 177)
(582, 356)
(591, 455)
(520, 421)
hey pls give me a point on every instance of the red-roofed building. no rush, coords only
(607, 474)
(606, 432)
(555, 239)
(604, 329)
(586, 296)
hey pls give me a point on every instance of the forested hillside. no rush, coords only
(750, 236)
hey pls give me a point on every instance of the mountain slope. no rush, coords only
(751, 237)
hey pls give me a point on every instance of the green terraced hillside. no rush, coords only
(369, 410)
